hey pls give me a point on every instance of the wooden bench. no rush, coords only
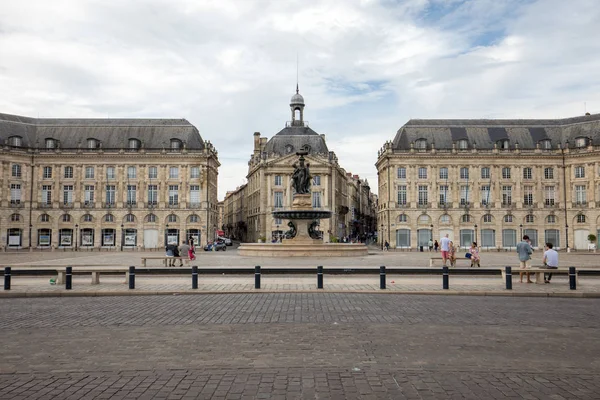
(433, 259)
(95, 271)
(164, 258)
(539, 273)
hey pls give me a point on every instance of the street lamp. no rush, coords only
(76, 235)
(122, 236)
(476, 234)
(521, 228)
(381, 234)
(278, 235)
(166, 234)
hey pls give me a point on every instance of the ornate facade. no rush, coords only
(104, 183)
(491, 181)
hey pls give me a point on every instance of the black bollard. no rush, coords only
(508, 273)
(257, 277)
(445, 277)
(572, 278)
(6, 278)
(69, 278)
(194, 277)
(382, 277)
(132, 277)
(320, 277)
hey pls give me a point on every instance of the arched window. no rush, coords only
(130, 218)
(15, 218)
(175, 144)
(88, 218)
(551, 219)
(289, 148)
(421, 144)
(193, 218)
(134, 144)
(402, 218)
(508, 218)
(92, 143)
(306, 148)
(581, 142)
(546, 144)
(445, 219)
(466, 218)
(66, 218)
(529, 219)
(463, 144)
(44, 218)
(581, 219)
(172, 218)
(487, 218)
(50, 143)
(424, 219)
(151, 218)
(109, 218)
(15, 141)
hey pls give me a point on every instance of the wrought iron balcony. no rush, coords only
(16, 204)
(66, 205)
(194, 205)
(108, 205)
(44, 205)
(89, 204)
(423, 205)
(173, 205)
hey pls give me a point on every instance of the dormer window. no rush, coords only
(503, 144)
(289, 148)
(421, 144)
(15, 141)
(581, 142)
(175, 144)
(134, 144)
(463, 144)
(93, 144)
(546, 144)
(50, 143)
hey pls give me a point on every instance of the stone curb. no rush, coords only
(134, 292)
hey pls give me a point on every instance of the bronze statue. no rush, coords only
(312, 229)
(301, 176)
(292, 232)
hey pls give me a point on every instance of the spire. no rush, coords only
(297, 90)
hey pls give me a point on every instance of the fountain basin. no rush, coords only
(302, 214)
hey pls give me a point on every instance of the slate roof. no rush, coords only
(483, 133)
(112, 133)
(296, 137)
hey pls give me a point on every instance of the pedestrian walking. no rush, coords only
(176, 254)
(170, 253)
(436, 246)
(444, 243)
(387, 246)
(184, 251)
(475, 258)
(430, 245)
(524, 251)
(550, 261)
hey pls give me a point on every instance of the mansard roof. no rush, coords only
(293, 138)
(484, 133)
(111, 133)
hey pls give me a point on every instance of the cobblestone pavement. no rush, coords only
(299, 346)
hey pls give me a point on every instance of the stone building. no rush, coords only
(248, 209)
(491, 181)
(104, 183)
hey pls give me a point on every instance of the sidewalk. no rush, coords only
(213, 284)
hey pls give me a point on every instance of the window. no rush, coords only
(508, 218)
(110, 172)
(421, 144)
(529, 219)
(549, 195)
(581, 219)
(553, 236)
(152, 172)
(423, 196)
(401, 173)
(580, 172)
(68, 194)
(151, 218)
(443, 194)
(463, 144)
(316, 199)
(131, 173)
(173, 172)
(528, 195)
(195, 172)
(47, 172)
(109, 218)
(487, 218)
(485, 195)
(505, 173)
(175, 144)
(527, 173)
(466, 218)
(402, 218)
(92, 144)
(509, 237)
(173, 195)
(278, 221)
(15, 218)
(15, 141)
(130, 218)
(464, 173)
(403, 238)
(16, 170)
(50, 144)
(424, 219)
(289, 148)
(277, 180)
(551, 219)
(506, 195)
(88, 194)
(131, 194)
(402, 194)
(152, 194)
(88, 218)
(44, 218)
(278, 200)
(580, 194)
(549, 173)
(580, 142)
(485, 173)
(445, 219)
(47, 194)
(488, 238)
(443, 173)
(316, 180)
(533, 236)
(422, 173)
(68, 173)
(194, 218)
(464, 195)
(503, 144)
(66, 218)
(172, 218)
(134, 144)
(467, 236)
(15, 193)
(110, 194)
(89, 172)
(195, 195)
(546, 144)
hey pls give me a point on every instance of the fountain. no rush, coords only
(302, 239)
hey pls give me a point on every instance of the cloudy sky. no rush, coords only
(366, 66)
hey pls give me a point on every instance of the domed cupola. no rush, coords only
(297, 107)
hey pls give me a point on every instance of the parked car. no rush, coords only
(227, 241)
(219, 245)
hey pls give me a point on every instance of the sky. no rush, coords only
(365, 67)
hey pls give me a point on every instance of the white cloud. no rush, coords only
(366, 66)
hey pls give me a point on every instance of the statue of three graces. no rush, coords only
(301, 176)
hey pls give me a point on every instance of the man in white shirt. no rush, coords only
(445, 246)
(550, 261)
